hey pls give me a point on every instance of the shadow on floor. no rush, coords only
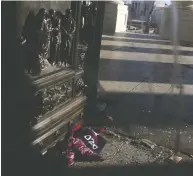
(172, 169)
(137, 40)
(136, 35)
(144, 50)
(137, 71)
(55, 166)
(153, 116)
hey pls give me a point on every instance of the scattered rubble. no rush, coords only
(148, 143)
(122, 150)
(117, 152)
(135, 142)
(144, 142)
(111, 133)
(174, 159)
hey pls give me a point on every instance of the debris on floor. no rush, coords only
(174, 159)
(148, 143)
(119, 150)
(94, 146)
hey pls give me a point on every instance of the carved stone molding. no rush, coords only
(82, 52)
(53, 96)
(57, 134)
(55, 125)
(79, 86)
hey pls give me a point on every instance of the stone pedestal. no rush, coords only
(115, 18)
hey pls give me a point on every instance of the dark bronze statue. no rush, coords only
(47, 37)
(84, 21)
(36, 46)
(55, 37)
(84, 14)
(41, 42)
(27, 42)
(28, 27)
(68, 28)
(87, 21)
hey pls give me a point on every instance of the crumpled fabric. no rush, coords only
(77, 146)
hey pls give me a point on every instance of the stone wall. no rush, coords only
(165, 26)
(182, 4)
(185, 25)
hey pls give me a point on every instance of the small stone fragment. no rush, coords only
(127, 142)
(127, 139)
(122, 138)
(175, 159)
(191, 155)
(148, 143)
(118, 150)
(109, 133)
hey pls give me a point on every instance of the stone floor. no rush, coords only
(122, 151)
(135, 76)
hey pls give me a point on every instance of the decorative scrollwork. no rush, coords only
(79, 86)
(48, 40)
(54, 96)
(82, 51)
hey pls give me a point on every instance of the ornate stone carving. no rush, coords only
(54, 96)
(82, 52)
(79, 86)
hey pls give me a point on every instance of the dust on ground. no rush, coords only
(121, 150)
